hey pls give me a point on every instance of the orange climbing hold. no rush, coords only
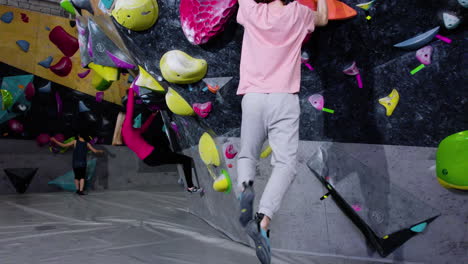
(336, 10)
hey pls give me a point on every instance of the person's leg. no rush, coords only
(82, 183)
(253, 134)
(160, 158)
(283, 136)
(76, 172)
(283, 122)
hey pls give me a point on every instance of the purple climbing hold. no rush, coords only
(120, 63)
(23, 44)
(7, 17)
(47, 62)
(59, 103)
(84, 74)
(90, 46)
(99, 96)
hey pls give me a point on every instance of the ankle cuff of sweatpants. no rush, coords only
(266, 212)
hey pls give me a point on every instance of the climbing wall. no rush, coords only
(33, 30)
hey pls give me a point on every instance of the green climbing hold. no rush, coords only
(419, 228)
(68, 6)
(7, 99)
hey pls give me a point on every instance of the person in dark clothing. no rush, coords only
(79, 162)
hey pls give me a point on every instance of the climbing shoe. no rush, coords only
(261, 239)
(246, 203)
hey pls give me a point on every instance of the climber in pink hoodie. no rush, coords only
(134, 140)
(270, 78)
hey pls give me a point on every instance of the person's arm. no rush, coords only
(69, 144)
(96, 151)
(148, 122)
(321, 16)
(245, 6)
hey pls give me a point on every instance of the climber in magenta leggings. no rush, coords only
(134, 140)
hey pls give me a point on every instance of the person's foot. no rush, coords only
(81, 193)
(77, 192)
(194, 189)
(246, 204)
(261, 239)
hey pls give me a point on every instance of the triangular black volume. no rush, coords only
(384, 246)
(21, 177)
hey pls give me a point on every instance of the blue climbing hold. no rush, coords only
(46, 63)
(23, 44)
(419, 228)
(82, 107)
(47, 28)
(46, 88)
(7, 17)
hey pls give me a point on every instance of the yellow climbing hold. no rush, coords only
(208, 151)
(366, 6)
(223, 183)
(106, 72)
(137, 15)
(385, 237)
(178, 67)
(390, 102)
(146, 80)
(177, 104)
(266, 152)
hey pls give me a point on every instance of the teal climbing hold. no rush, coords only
(137, 121)
(107, 3)
(23, 44)
(67, 181)
(419, 228)
(47, 62)
(7, 17)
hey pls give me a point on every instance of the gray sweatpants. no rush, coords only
(276, 117)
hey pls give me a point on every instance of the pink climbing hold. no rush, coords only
(67, 43)
(317, 101)
(230, 152)
(203, 110)
(42, 139)
(29, 91)
(15, 126)
(120, 63)
(424, 55)
(84, 74)
(353, 70)
(63, 67)
(356, 207)
(203, 19)
(444, 39)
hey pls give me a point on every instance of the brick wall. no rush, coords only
(50, 7)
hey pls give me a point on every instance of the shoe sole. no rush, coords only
(246, 204)
(261, 247)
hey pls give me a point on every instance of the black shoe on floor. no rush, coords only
(246, 203)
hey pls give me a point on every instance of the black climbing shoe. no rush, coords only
(194, 190)
(261, 239)
(246, 203)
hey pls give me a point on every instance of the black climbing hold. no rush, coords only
(21, 177)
